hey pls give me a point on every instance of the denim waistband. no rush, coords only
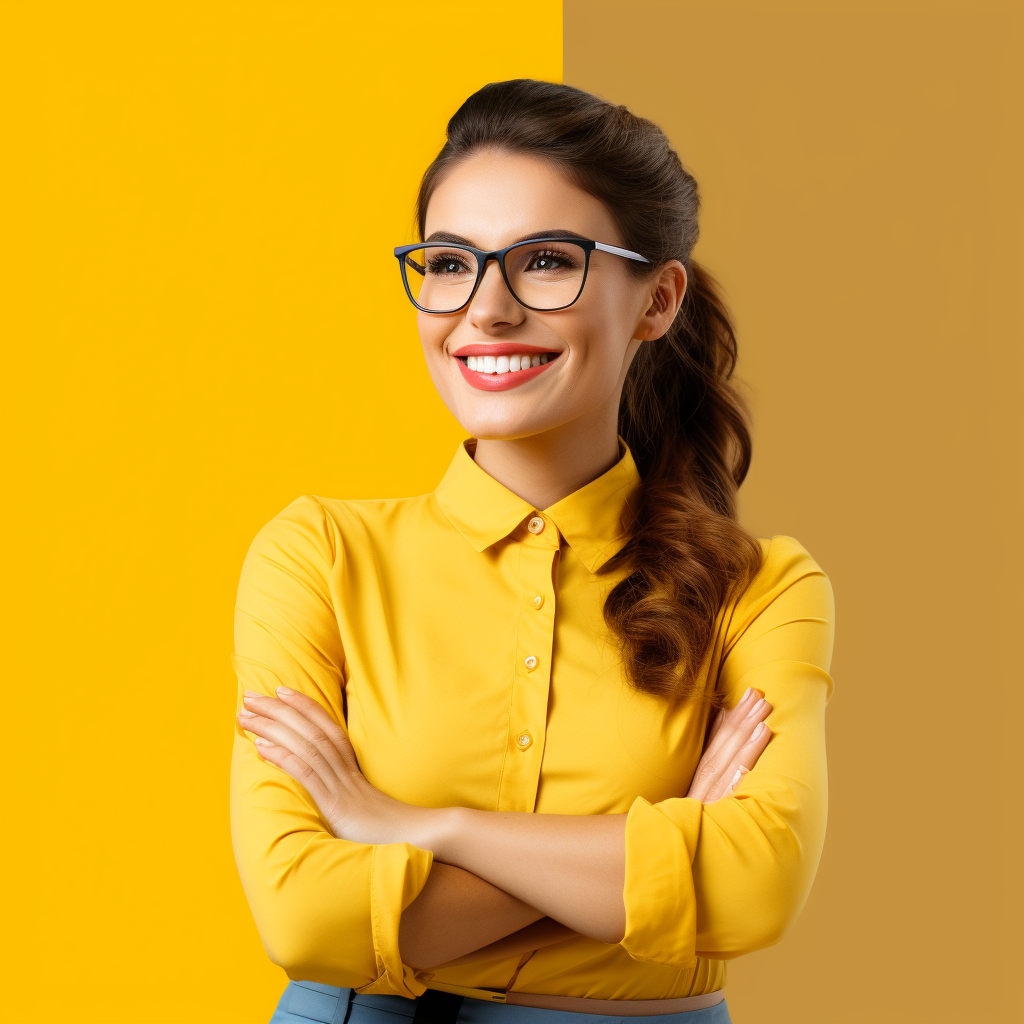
(305, 1001)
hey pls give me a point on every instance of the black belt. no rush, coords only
(330, 1005)
(435, 1007)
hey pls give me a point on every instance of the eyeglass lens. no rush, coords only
(544, 275)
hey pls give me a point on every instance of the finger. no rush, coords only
(732, 719)
(716, 725)
(282, 758)
(315, 750)
(745, 759)
(315, 712)
(737, 731)
(735, 780)
(313, 733)
(270, 752)
(732, 782)
(752, 750)
(724, 714)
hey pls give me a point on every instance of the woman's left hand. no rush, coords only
(736, 740)
(296, 734)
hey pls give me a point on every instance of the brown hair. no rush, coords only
(684, 423)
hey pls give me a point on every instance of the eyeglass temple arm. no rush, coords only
(615, 250)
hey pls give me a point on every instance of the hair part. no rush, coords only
(684, 422)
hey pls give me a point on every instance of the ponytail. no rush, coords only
(687, 430)
(683, 421)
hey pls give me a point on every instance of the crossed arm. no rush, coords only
(502, 883)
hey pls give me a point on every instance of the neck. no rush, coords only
(544, 468)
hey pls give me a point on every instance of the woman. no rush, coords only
(526, 812)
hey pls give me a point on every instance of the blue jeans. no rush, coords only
(305, 1001)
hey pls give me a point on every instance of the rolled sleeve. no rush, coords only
(327, 910)
(661, 907)
(727, 878)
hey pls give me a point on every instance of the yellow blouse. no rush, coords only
(460, 634)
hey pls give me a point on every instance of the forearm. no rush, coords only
(569, 867)
(456, 914)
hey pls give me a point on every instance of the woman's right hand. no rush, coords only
(738, 738)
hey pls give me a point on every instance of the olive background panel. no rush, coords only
(860, 163)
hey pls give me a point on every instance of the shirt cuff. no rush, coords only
(661, 908)
(398, 872)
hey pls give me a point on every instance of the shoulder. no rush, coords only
(784, 561)
(788, 577)
(313, 530)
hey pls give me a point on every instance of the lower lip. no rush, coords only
(501, 381)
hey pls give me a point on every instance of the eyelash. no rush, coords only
(438, 260)
(562, 257)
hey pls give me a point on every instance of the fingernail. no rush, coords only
(736, 778)
(284, 690)
(746, 694)
(758, 729)
(247, 714)
(260, 741)
(756, 708)
(252, 693)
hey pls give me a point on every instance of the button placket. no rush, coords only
(520, 777)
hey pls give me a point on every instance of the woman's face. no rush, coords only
(490, 200)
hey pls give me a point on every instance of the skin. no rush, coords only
(503, 883)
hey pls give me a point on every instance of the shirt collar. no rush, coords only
(590, 519)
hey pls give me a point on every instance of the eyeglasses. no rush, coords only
(543, 274)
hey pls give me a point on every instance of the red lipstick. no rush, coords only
(501, 381)
(510, 378)
(504, 348)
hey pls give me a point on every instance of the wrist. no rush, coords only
(435, 829)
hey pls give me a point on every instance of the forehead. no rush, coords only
(493, 199)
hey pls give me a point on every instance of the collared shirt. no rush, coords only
(460, 635)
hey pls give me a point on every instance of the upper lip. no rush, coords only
(504, 348)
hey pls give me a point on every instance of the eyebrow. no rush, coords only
(447, 236)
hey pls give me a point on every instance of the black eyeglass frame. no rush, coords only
(588, 245)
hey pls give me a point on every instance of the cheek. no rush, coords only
(603, 335)
(432, 334)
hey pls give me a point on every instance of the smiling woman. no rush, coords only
(504, 744)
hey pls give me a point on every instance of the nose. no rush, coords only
(493, 307)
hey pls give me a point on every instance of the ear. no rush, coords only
(666, 293)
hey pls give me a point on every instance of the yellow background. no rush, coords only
(202, 320)
(861, 165)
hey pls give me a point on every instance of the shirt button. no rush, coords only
(524, 741)
(538, 602)
(530, 663)
(535, 525)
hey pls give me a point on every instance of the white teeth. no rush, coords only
(505, 364)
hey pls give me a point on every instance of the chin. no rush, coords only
(503, 428)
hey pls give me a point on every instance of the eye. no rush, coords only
(544, 261)
(551, 260)
(447, 263)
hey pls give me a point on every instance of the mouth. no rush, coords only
(501, 367)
